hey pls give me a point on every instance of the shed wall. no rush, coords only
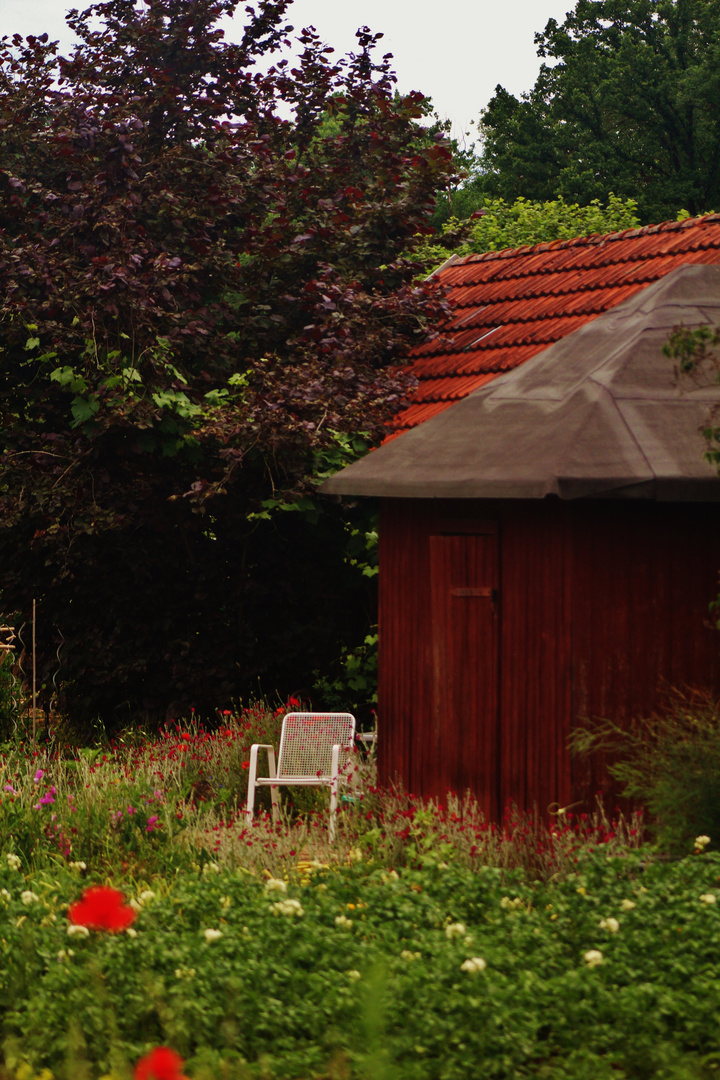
(601, 606)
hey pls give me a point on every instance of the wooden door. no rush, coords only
(464, 574)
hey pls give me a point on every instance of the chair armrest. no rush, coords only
(272, 771)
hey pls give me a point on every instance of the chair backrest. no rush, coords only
(307, 740)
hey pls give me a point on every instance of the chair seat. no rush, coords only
(288, 779)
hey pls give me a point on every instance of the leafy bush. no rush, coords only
(424, 939)
(669, 762)
(352, 971)
(524, 221)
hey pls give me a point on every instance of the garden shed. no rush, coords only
(549, 539)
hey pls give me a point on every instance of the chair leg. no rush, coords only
(333, 810)
(274, 793)
(334, 791)
(275, 801)
(252, 773)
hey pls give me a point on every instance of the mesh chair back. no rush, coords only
(307, 740)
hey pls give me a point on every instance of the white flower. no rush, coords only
(473, 965)
(29, 897)
(708, 898)
(5, 894)
(353, 975)
(212, 935)
(131, 931)
(342, 920)
(409, 956)
(287, 907)
(134, 904)
(79, 865)
(627, 905)
(77, 931)
(211, 868)
(593, 957)
(392, 875)
(455, 929)
(225, 902)
(14, 861)
(511, 905)
(276, 884)
(184, 973)
(611, 925)
(701, 842)
(146, 895)
(354, 855)
(65, 954)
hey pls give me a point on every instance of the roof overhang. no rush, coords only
(599, 413)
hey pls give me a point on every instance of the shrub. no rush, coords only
(669, 762)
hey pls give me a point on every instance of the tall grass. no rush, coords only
(670, 763)
(141, 805)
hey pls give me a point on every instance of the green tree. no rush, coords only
(203, 291)
(501, 224)
(627, 102)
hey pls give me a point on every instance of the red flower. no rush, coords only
(102, 908)
(162, 1063)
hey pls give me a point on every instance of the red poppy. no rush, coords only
(162, 1063)
(102, 908)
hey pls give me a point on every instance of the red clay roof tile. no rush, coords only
(509, 305)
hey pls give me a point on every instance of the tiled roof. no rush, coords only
(509, 305)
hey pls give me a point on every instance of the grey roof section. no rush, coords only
(599, 413)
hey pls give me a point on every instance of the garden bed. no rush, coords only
(426, 945)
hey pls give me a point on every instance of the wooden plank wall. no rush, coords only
(602, 605)
(644, 576)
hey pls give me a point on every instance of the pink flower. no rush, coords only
(153, 823)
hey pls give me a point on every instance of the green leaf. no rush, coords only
(83, 409)
(67, 376)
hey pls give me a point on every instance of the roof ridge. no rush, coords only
(585, 241)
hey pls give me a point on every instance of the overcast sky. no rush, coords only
(455, 51)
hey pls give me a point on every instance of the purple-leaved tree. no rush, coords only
(204, 297)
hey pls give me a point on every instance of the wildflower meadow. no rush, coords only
(149, 930)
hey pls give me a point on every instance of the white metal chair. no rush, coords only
(313, 752)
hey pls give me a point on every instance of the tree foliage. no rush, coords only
(626, 102)
(203, 294)
(501, 224)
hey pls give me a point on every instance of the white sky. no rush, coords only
(455, 51)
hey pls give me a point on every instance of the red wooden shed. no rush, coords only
(550, 544)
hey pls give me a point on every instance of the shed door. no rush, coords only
(465, 626)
